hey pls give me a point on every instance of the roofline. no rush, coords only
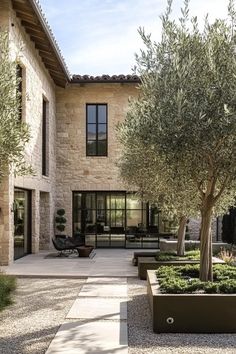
(36, 7)
(105, 79)
(104, 82)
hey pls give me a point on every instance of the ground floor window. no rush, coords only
(116, 219)
(22, 222)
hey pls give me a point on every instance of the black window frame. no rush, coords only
(45, 160)
(97, 154)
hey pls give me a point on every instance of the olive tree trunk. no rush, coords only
(206, 245)
(181, 236)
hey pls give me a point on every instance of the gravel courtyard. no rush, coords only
(143, 341)
(40, 306)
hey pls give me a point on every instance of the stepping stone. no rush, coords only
(107, 280)
(93, 338)
(104, 290)
(99, 309)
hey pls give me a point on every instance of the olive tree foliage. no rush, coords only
(187, 111)
(143, 170)
(14, 134)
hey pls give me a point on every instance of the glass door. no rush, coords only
(22, 223)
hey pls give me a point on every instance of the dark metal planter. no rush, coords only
(190, 313)
(150, 263)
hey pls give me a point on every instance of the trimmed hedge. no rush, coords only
(184, 279)
(7, 285)
(172, 256)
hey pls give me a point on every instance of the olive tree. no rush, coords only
(14, 134)
(187, 111)
(143, 170)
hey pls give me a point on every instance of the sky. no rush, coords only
(99, 37)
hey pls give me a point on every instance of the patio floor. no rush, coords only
(105, 263)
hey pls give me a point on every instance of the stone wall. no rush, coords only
(36, 84)
(194, 229)
(75, 170)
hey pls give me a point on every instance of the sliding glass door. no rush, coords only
(22, 223)
(110, 219)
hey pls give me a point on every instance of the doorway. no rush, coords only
(22, 223)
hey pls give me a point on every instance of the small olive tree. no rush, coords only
(187, 110)
(14, 134)
(144, 170)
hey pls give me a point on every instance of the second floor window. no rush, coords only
(45, 151)
(19, 75)
(96, 130)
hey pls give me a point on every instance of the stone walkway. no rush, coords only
(97, 321)
(105, 263)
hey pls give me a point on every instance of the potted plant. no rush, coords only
(60, 222)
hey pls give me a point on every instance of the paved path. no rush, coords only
(97, 321)
(106, 263)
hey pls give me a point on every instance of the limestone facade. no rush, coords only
(37, 84)
(75, 170)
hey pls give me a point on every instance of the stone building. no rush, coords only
(73, 149)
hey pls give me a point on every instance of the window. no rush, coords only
(19, 76)
(45, 150)
(96, 135)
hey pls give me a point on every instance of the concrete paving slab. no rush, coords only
(103, 290)
(99, 309)
(110, 280)
(93, 338)
(106, 263)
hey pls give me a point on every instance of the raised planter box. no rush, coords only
(150, 263)
(138, 254)
(171, 245)
(190, 313)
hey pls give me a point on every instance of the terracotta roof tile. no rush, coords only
(105, 78)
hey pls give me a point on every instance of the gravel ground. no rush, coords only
(39, 308)
(143, 341)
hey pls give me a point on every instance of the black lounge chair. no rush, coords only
(65, 244)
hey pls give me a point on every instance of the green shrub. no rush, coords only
(172, 256)
(61, 212)
(184, 279)
(227, 286)
(7, 285)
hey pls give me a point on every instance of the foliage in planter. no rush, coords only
(184, 279)
(7, 285)
(172, 256)
(60, 220)
(227, 256)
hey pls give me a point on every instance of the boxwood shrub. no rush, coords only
(184, 279)
(172, 256)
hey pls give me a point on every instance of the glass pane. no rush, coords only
(133, 202)
(21, 232)
(91, 114)
(77, 222)
(90, 201)
(102, 148)
(120, 202)
(101, 205)
(134, 218)
(90, 221)
(117, 221)
(77, 200)
(91, 148)
(102, 132)
(92, 132)
(102, 114)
